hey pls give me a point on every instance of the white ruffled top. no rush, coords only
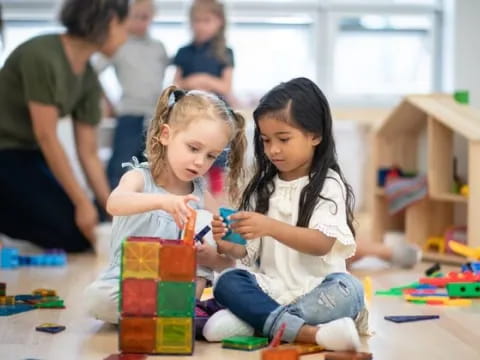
(286, 274)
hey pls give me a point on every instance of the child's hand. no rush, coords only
(177, 206)
(219, 229)
(206, 255)
(250, 225)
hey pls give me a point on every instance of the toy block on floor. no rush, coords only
(8, 258)
(410, 318)
(176, 299)
(138, 297)
(6, 310)
(347, 355)
(137, 334)
(280, 354)
(7, 300)
(44, 292)
(464, 290)
(157, 294)
(3, 289)
(50, 328)
(246, 343)
(174, 335)
(140, 259)
(177, 262)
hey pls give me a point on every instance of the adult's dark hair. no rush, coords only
(90, 19)
(302, 104)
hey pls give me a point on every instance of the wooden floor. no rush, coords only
(455, 335)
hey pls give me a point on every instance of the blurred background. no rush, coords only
(365, 55)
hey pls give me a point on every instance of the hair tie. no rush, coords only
(175, 96)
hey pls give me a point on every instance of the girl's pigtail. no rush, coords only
(154, 150)
(238, 146)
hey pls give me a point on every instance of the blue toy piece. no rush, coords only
(231, 236)
(410, 318)
(202, 233)
(8, 258)
(472, 266)
(6, 310)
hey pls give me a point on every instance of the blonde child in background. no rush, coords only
(207, 64)
(140, 68)
(188, 132)
(297, 219)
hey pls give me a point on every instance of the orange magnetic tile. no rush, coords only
(137, 334)
(177, 262)
(280, 354)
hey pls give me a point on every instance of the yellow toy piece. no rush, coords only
(368, 288)
(140, 259)
(435, 243)
(464, 250)
(464, 190)
(44, 292)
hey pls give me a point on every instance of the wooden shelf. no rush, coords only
(444, 258)
(450, 197)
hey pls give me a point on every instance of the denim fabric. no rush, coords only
(128, 141)
(339, 295)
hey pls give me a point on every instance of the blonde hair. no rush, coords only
(179, 108)
(219, 41)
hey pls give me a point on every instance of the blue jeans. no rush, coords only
(339, 295)
(128, 141)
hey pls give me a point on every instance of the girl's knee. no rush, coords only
(227, 281)
(101, 301)
(350, 292)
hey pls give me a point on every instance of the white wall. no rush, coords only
(462, 60)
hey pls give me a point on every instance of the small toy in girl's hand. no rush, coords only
(230, 235)
(202, 233)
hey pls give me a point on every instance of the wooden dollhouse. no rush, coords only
(424, 127)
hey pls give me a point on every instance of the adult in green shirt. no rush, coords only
(42, 80)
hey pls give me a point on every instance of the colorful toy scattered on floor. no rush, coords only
(40, 298)
(158, 294)
(11, 259)
(460, 287)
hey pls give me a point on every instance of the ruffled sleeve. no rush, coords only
(330, 218)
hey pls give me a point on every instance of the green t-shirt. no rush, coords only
(38, 70)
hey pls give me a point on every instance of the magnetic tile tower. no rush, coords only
(157, 294)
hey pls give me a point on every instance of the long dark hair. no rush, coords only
(301, 103)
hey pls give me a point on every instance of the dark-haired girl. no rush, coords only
(44, 79)
(297, 218)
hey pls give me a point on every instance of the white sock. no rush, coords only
(338, 335)
(224, 324)
(406, 255)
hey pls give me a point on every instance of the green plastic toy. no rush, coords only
(246, 343)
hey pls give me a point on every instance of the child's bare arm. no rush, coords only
(128, 199)
(253, 225)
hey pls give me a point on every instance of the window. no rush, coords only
(383, 54)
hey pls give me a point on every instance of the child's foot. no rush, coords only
(224, 324)
(338, 335)
(406, 255)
